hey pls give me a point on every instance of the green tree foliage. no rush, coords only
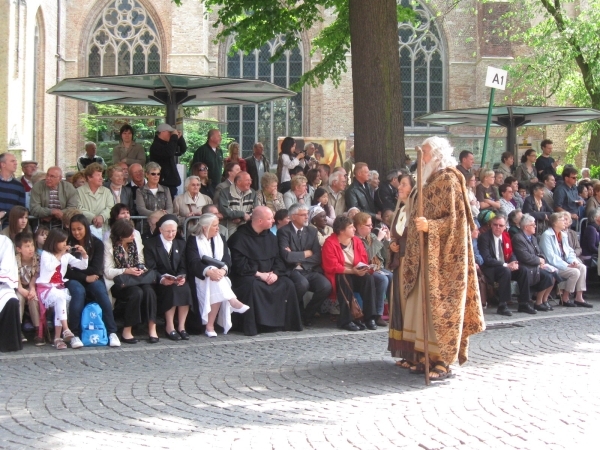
(562, 62)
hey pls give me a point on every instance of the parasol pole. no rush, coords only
(424, 290)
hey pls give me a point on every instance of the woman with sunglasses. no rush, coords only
(153, 196)
(200, 170)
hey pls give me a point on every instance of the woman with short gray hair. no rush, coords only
(213, 288)
(190, 203)
(153, 196)
(268, 195)
(555, 245)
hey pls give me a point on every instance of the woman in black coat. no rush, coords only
(166, 254)
(535, 206)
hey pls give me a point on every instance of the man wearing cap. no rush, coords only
(12, 192)
(168, 144)
(50, 198)
(90, 157)
(28, 168)
(211, 154)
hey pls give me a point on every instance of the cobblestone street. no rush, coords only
(532, 384)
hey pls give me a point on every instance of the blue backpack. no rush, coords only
(93, 331)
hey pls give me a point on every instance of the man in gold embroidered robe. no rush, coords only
(454, 307)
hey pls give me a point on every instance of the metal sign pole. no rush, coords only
(487, 127)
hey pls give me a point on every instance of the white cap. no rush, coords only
(165, 127)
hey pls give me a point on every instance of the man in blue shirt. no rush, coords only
(566, 197)
(12, 192)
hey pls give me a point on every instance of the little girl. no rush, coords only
(51, 283)
(41, 233)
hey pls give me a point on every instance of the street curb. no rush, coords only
(212, 343)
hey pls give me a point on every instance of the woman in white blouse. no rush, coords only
(213, 288)
(288, 159)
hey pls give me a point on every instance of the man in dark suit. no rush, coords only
(530, 257)
(257, 165)
(386, 196)
(359, 195)
(301, 252)
(491, 247)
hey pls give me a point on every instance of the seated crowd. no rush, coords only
(533, 228)
(254, 250)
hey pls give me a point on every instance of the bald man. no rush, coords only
(51, 197)
(259, 277)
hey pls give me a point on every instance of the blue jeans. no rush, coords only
(97, 293)
(383, 278)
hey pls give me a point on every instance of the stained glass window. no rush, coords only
(267, 121)
(421, 66)
(124, 41)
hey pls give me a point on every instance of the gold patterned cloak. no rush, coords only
(453, 288)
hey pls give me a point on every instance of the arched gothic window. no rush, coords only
(421, 66)
(124, 41)
(248, 124)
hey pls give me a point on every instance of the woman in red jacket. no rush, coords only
(342, 255)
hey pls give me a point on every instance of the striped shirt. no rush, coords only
(12, 193)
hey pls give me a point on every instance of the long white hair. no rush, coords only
(441, 156)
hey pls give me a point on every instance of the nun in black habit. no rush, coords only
(259, 276)
(165, 253)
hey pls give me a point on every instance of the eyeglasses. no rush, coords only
(498, 225)
(368, 225)
(573, 177)
(203, 169)
(154, 174)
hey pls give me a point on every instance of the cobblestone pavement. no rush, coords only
(534, 384)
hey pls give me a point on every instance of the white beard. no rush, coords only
(428, 170)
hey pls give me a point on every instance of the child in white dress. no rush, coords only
(51, 282)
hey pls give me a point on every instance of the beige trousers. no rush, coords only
(34, 309)
(574, 278)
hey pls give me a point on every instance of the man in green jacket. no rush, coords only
(211, 155)
(50, 198)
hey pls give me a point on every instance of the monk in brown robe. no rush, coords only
(453, 303)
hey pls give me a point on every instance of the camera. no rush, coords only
(141, 267)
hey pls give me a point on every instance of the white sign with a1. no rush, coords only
(496, 78)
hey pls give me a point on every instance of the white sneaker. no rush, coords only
(113, 340)
(76, 342)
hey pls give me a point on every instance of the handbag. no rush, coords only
(353, 305)
(125, 281)
(212, 262)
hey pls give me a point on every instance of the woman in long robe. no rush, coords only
(10, 317)
(216, 300)
(398, 347)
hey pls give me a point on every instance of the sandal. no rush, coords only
(440, 372)
(67, 336)
(59, 344)
(417, 369)
(404, 364)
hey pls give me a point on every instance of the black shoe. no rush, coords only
(584, 304)
(174, 336)
(184, 335)
(541, 307)
(503, 311)
(371, 325)
(129, 341)
(526, 308)
(569, 304)
(307, 323)
(351, 327)
(153, 340)
(359, 323)
(549, 306)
